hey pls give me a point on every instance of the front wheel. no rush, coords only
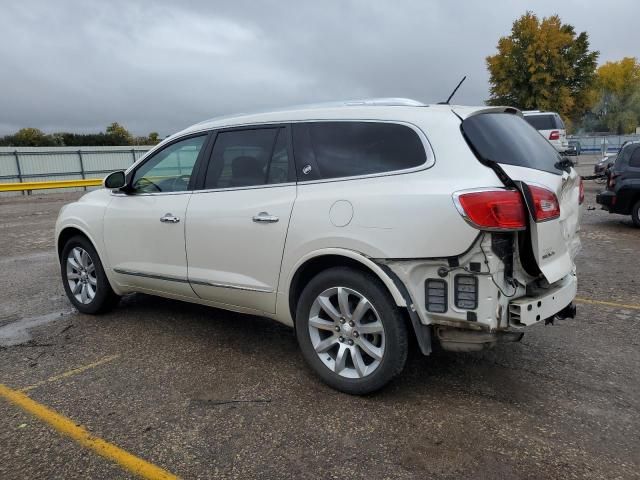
(83, 277)
(350, 331)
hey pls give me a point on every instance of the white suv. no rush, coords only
(550, 126)
(358, 224)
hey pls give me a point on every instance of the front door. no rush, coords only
(236, 227)
(144, 228)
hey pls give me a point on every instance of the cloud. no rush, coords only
(162, 65)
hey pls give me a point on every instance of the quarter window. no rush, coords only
(170, 169)
(243, 158)
(346, 149)
(634, 161)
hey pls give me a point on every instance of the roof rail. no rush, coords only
(374, 102)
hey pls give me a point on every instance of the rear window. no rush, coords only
(346, 149)
(545, 122)
(507, 139)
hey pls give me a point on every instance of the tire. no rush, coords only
(635, 214)
(327, 331)
(83, 277)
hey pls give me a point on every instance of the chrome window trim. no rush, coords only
(146, 194)
(249, 187)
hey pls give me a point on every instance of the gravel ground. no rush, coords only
(205, 393)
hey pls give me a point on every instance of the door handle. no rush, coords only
(169, 218)
(264, 217)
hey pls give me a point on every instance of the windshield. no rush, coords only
(507, 139)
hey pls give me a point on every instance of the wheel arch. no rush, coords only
(316, 262)
(68, 232)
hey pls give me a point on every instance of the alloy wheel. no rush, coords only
(346, 332)
(81, 275)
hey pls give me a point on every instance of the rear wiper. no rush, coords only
(565, 164)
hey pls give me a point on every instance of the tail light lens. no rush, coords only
(581, 194)
(554, 135)
(494, 209)
(612, 180)
(545, 203)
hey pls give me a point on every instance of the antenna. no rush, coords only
(454, 92)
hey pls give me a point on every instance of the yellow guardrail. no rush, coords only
(16, 187)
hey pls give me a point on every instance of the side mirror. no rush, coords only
(114, 180)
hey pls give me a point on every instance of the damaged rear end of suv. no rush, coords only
(520, 269)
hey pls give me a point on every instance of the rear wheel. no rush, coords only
(350, 331)
(635, 214)
(83, 277)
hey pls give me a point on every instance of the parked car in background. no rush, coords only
(573, 148)
(550, 126)
(359, 224)
(600, 168)
(622, 194)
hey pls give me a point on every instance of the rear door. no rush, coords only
(237, 225)
(506, 140)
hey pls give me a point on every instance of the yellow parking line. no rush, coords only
(610, 304)
(69, 428)
(70, 373)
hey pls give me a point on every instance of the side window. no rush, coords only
(243, 158)
(634, 161)
(347, 149)
(170, 169)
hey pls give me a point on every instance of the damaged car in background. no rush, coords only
(359, 224)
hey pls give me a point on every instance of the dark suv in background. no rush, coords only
(622, 194)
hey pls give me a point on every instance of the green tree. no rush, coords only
(154, 138)
(118, 134)
(617, 91)
(31, 137)
(543, 65)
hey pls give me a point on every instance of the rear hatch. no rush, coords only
(504, 141)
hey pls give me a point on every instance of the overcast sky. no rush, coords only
(162, 65)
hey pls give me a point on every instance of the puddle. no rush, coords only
(16, 333)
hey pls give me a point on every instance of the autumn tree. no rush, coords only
(617, 89)
(118, 134)
(543, 65)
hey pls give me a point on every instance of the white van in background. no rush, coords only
(550, 126)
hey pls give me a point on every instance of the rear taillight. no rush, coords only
(581, 194)
(612, 180)
(492, 209)
(545, 204)
(554, 135)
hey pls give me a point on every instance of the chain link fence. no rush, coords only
(598, 145)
